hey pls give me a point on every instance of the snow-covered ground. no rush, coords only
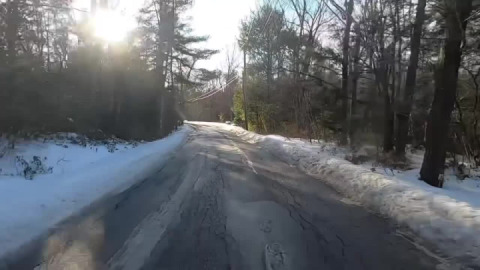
(57, 153)
(449, 217)
(73, 173)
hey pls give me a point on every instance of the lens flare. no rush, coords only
(111, 26)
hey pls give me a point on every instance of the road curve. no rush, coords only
(221, 203)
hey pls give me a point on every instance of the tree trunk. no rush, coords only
(165, 20)
(345, 52)
(12, 21)
(445, 93)
(388, 116)
(118, 96)
(383, 79)
(355, 76)
(301, 14)
(48, 42)
(388, 125)
(12, 24)
(400, 44)
(269, 71)
(404, 110)
(161, 95)
(244, 83)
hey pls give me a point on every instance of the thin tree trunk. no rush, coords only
(48, 42)
(388, 124)
(244, 82)
(383, 79)
(400, 48)
(172, 75)
(166, 24)
(355, 76)
(161, 95)
(161, 67)
(12, 25)
(301, 13)
(404, 110)
(269, 71)
(118, 96)
(445, 93)
(345, 52)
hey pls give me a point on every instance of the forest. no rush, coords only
(57, 75)
(396, 74)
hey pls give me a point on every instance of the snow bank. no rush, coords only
(63, 153)
(29, 208)
(444, 217)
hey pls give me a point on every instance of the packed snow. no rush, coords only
(71, 175)
(449, 217)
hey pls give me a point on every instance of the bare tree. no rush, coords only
(355, 75)
(456, 14)
(345, 63)
(403, 113)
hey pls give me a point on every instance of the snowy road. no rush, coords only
(221, 203)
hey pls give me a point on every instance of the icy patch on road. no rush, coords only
(449, 218)
(29, 208)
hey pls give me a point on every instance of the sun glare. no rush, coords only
(111, 26)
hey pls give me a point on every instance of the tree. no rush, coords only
(345, 64)
(355, 74)
(264, 36)
(49, 82)
(403, 114)
(169, 46)
(456, 15)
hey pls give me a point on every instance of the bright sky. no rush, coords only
(219, 19)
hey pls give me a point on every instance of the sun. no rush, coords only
(111, 26)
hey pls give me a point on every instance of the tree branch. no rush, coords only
(311, 76)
